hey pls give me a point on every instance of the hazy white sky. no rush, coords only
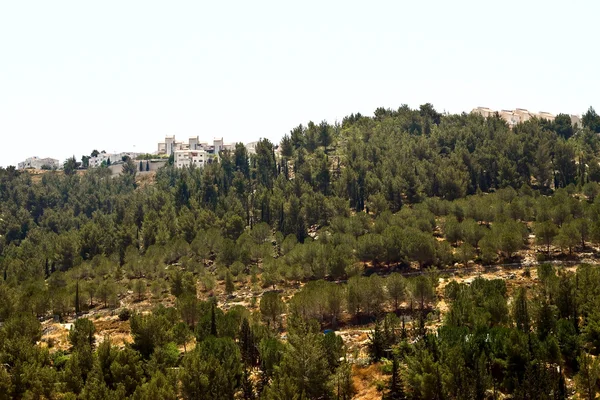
(120, 75)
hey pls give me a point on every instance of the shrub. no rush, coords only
(124, 314)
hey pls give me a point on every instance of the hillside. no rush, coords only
(409, 252)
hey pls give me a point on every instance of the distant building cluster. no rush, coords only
(39, 163)
(110, 158)
(93, 162)
(518, 115)
(195, 152)
(185, 154)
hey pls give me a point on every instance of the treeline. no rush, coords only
(144, 232)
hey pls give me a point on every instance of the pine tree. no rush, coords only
(139, 287)
(343, 386)
(325, 138)
(303, 364)
(182, 334)
(389, 331)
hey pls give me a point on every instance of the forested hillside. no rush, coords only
(227, 276)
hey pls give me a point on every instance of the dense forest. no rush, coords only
(361, 220)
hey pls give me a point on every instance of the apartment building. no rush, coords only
(187, 158)
(251, 147)
(103, 158)
(576, 120)
(171, 145)
(483, 111)
(194, 151)
(39, 163)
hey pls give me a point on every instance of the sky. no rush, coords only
(120, 75)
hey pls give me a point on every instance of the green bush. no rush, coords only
(124, 314)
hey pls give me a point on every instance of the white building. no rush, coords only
(171, 145)
(251, 147)
(483, 111)
(39, 163)
(194, 152)
(576, 120)
(187, 158)
(114, 158)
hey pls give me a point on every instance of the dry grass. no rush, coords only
(145, 179)
(118, 331)
(365, 379)
(56, 334)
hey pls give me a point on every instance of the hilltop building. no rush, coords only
(39, 163)
(195, 152)
(171, 145)
(518, 115)
(187, 158)
(251, 147)
(114, 158)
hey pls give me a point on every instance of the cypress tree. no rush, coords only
(213, 321)
(396, 390)
(247, 345)
(77, 297)
(376, 343)
(247, 385)
(561, 392)
(403, 333)
(521, 311)
(229, 286)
